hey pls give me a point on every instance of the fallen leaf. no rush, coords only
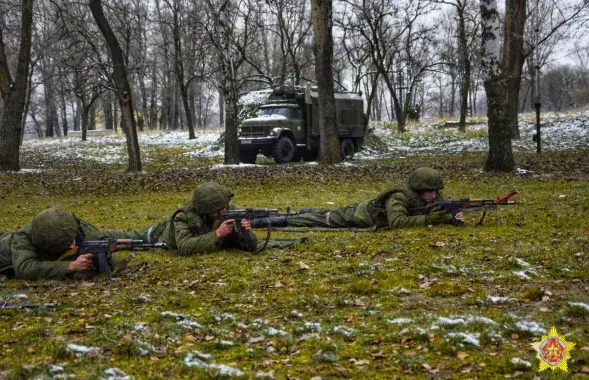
(190, 337)
(31, 350)
(426, 366)
(462, 355)
(127, 338)
(379, 356)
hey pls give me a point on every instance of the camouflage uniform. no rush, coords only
(191, 231)
(389, 210)
(32, 251)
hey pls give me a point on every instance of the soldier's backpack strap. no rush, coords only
(172, 231)
(382, 198)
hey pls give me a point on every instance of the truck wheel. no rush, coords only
(248, 158)
(346, 148)
(283, 151)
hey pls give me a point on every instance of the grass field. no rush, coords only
(443, 302)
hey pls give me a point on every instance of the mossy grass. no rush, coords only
(387, 304)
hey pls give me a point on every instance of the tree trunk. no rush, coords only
(496, 81)
(27, 104)
(77, 114)
(231, 124)
(122, 85)
(107, 110)
(63, 105)
(14, 92)
(515, 20)
(221, 108)
(152, 101)
(50, 115)
(84, 116)
(466, 70)
(500, 156)
(321, 14)
(92, 118)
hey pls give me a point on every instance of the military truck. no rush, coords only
(287, 126)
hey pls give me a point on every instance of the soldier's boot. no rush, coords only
(275, 221)
(310, 210)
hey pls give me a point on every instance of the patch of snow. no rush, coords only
(399, 321)
(530, 326)
(492, 299)
(273, 332)
(226, 343)
(348, 332)
(471, 338)
(172, 314)
(267, 117)
(220, 370)
(522, 274)
(264, 375)
(53, 369)
(579, 304)
(478, 318)
(188, 324)
(115, 374)
(201, 355)
(313, 326)
(451, 322)
(78, 349)
(521, 362)
(144, 297)
(139, 326)
(18, 296)
(224, 317)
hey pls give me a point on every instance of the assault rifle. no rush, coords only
(102, 250)
(247, 237)
(466, 204)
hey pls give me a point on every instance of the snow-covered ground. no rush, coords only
(559, 131)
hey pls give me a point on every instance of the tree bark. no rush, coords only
(122, 85)
(321, 13)
(107, 111)
(14, 92)
(464, 56)
(496, 80)
(515, 20)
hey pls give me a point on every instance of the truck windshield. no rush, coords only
(290, 113)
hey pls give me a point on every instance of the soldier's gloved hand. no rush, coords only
(438, 216)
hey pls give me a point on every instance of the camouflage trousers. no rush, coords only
(337, 218)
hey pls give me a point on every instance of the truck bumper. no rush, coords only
(257, 144)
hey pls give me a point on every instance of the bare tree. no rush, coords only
(14, 91)
(321, 11)
(123, 89)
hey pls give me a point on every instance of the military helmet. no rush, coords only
(210, 197)
(54, 230)
(425, 179)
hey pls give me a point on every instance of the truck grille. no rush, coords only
(253, 131)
